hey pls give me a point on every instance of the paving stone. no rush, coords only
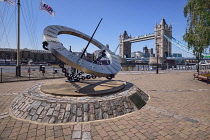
(61, 114)
(92, 117)
(98, 114)
(47, 106)
(78, 127)
(32, 112)
(92, 110)
(76, 134)
(52, 119)
(67, 116)
(55, 113)
(46, 119)
(39, 110)
(110, 111)
(97, 105)
(68, 107)
(73, 108)
(43, 104)
(36, 105)
(105, 115)
(35, 117)
(86, 127)
(57, 107)
(53, 105)
(23, 106)
(125, 104)
(79, 112)
(73, 118)
(43, 114)
(86, 135)
(17, 113)
(115, 113)
(50, 112)
(85, 117)
(86, 107)
(63, 105)
(79, 119)
(25, 115)
(20, 114)
(28, 117)
(27, 107)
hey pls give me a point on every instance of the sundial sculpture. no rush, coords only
(51, 42)
(78, 108)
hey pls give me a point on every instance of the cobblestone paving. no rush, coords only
(178, 109)
(37, 106)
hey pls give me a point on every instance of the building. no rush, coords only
(177, 55)
(37, 56)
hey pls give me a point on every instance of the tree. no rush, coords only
(197, 33)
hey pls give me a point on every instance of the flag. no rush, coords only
(47, 8)
(12, 2)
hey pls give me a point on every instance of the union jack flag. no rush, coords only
(45, 7)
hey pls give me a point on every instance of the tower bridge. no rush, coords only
(162, 45)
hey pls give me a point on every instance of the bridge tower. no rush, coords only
(125, 47)
(163, 45)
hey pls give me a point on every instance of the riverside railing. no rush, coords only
(147, 67)
(8, 73)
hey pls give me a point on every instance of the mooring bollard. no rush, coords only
(43, 70)
(1, 75)
(53, 71)
(40, 67)
(29, 72)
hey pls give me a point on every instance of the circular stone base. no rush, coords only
(35, 105)
(92, 87)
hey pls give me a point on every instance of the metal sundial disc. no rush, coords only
(50, 36)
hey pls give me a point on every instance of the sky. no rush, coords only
(137, 17)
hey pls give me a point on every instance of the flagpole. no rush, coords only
(18, 67)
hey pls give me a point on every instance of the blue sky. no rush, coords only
(137, 17)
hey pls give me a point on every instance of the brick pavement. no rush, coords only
(178, 109)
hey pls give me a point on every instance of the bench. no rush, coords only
(201, 77)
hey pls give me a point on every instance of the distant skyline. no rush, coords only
(137, 17)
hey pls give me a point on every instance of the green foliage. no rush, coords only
(197, 33)
(206, 75)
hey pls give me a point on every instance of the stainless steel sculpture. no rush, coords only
(58, 50)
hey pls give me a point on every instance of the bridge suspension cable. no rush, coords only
(179, 44)
(182, 46)
(116, 48)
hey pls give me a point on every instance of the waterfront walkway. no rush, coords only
(179, 108)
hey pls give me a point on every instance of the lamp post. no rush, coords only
(18, 67)
(157, 53)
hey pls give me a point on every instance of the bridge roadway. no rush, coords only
(185, 58)
(141, 38)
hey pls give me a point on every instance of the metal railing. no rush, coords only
(147, 67)
(8, 73)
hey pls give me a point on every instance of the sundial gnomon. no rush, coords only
(51, 42)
